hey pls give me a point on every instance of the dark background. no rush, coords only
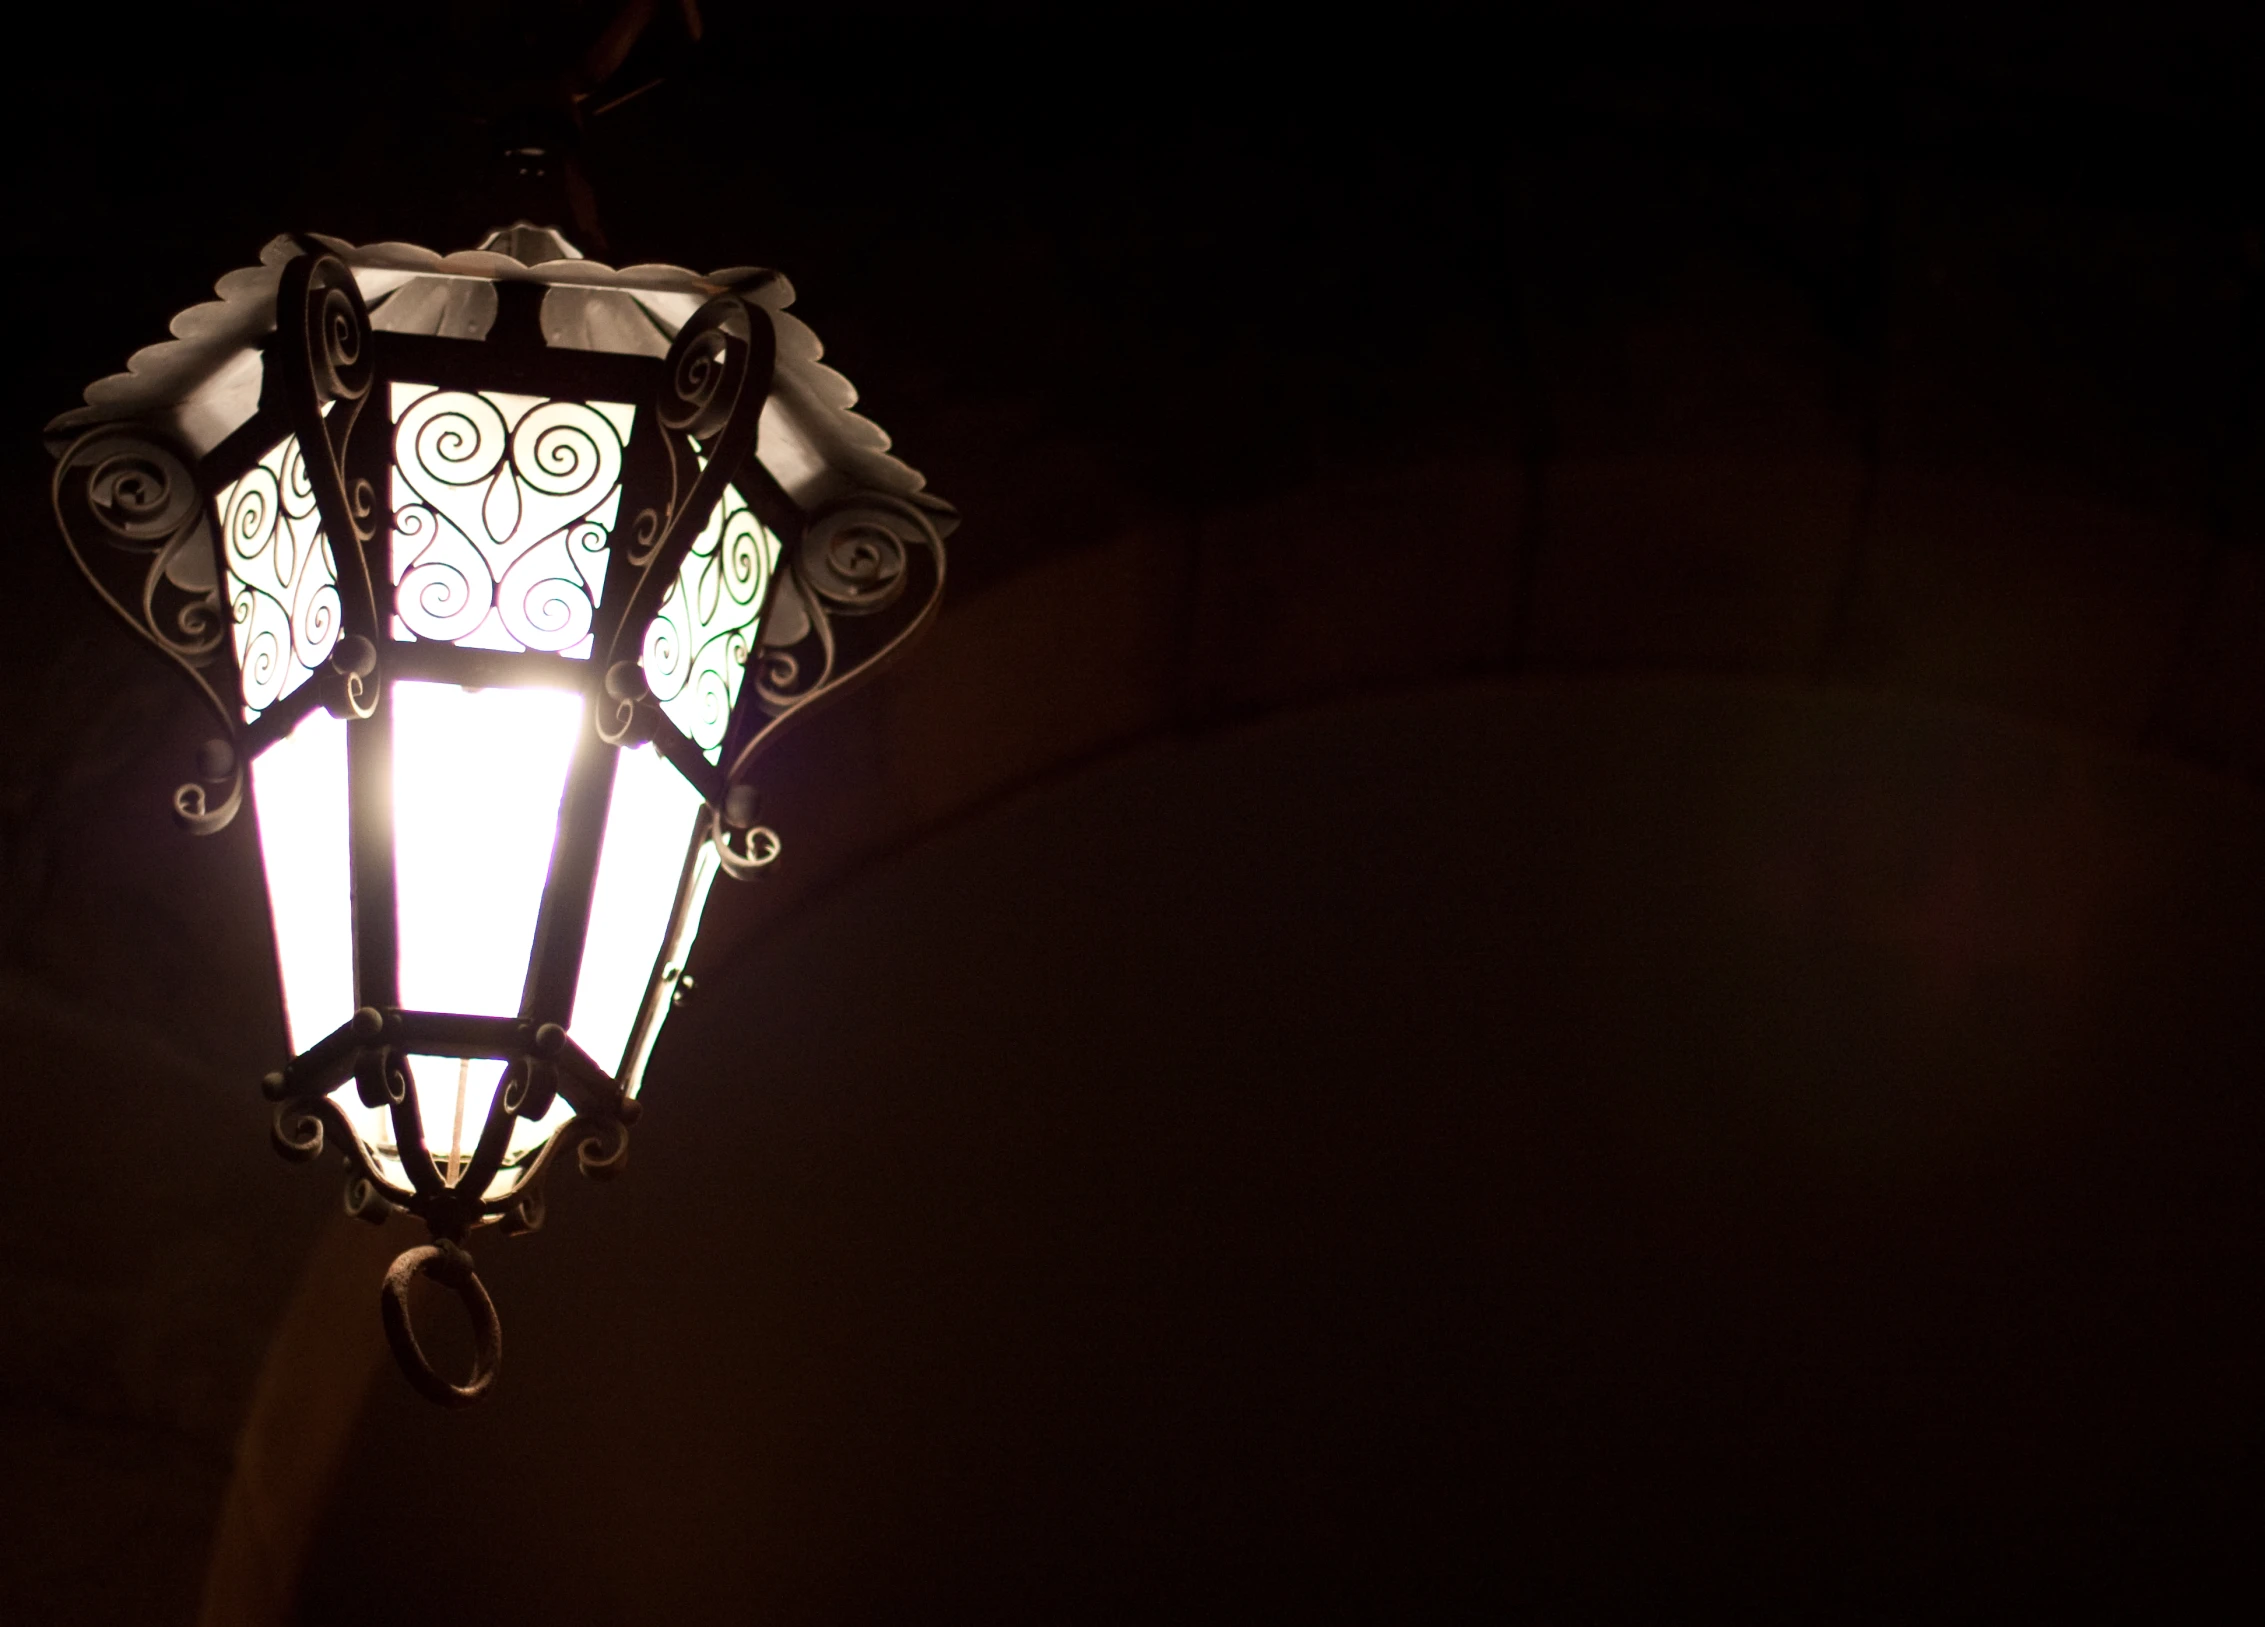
(1634, 997)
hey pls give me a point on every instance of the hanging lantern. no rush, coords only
(499, 571)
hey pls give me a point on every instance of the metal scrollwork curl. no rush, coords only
(854, 558)
(644, 537)
(137, 522)
(503, 530)
(743, 852)
(204, 809)
(707, 368)
(718, 376)
(143, 499)
(602, 1147)
(319, 305)
(365, 1200)
(865, 577)
(141, 489)
(698, 643)
(297, 1131)
(617, 716)
(336, 325)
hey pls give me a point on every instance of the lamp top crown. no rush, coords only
(206, 381)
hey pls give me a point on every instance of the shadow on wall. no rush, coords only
(1621, 1151)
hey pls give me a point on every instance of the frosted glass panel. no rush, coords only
(477, 778)
(526, 1136)
(647, 830)
(299, 792)
(453, 1097)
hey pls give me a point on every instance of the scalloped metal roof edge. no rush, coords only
(199, 381)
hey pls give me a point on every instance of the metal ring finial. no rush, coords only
(449, 1265)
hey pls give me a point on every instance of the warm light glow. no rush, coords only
(647, 830)
(299, 792)
(453, 1097)
(477, 778)
(526, 1136)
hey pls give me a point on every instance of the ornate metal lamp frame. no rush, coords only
(736, 399)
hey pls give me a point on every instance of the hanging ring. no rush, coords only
(450, 1266)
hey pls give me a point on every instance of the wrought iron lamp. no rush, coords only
(499, 570)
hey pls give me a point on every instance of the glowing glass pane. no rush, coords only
(648, 828)
(299, 792)
(527, 1135)
(373, 1127)
(282, 581)
(696, 650)
(477, 779)
(503, 509)
(453, 1098)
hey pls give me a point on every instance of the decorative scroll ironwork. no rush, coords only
(697, 647)
(744, 849)
(282, 578)
(866, 576)
(323, 359)
(138, 526)
(711, 625)
(368, 1058)
(718, 375)
(503, 511)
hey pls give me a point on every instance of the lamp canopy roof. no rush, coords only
(205, 382)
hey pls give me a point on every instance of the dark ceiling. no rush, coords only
(1224, 248)
(1178, 279)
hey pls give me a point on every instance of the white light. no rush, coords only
(648, 828)
(299, 792)
(477, 779)
(453, 1097)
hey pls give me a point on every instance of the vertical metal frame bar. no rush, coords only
(657, 469)
(369, 462)
(369, 802)
(231, 460)
(645, 1033)
(649, 486)
(554, 964)
(784, 519)
(369, 740)
(718, 376)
